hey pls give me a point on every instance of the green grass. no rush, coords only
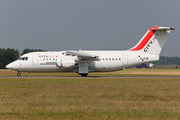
(90, 98)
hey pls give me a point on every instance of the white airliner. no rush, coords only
(84, 62)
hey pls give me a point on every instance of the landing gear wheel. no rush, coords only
(18, 74)
(84, 75)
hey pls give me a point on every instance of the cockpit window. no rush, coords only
(23, 58)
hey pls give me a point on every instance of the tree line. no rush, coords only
(30, 50)
(164, 60)
(9, 55)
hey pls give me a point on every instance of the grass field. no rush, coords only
(91, 98)
(127, 72)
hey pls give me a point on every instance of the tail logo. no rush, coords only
(151, 42)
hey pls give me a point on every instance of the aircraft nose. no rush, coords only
(13, 66)
(9, 66)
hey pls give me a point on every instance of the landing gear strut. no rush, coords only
(18, 74)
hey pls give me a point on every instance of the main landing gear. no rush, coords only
(18, 74)
(84, 75)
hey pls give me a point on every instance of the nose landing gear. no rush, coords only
(18, 74)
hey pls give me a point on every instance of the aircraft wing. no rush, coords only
(81, 54)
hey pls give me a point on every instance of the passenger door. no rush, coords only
(125, 59)
(35, 59)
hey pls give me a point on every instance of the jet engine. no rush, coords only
(66, 63)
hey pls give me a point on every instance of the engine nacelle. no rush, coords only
(58, 63)
(65, 63)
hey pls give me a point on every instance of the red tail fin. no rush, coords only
(144, 40)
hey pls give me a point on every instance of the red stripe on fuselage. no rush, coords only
(145, 40)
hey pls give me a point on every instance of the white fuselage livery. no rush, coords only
(84, 62)
(107, 61)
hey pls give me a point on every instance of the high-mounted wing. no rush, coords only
(81, 54)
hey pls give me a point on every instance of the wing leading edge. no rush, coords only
(81, 54)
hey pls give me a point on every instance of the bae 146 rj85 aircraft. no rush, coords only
(84, 62)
